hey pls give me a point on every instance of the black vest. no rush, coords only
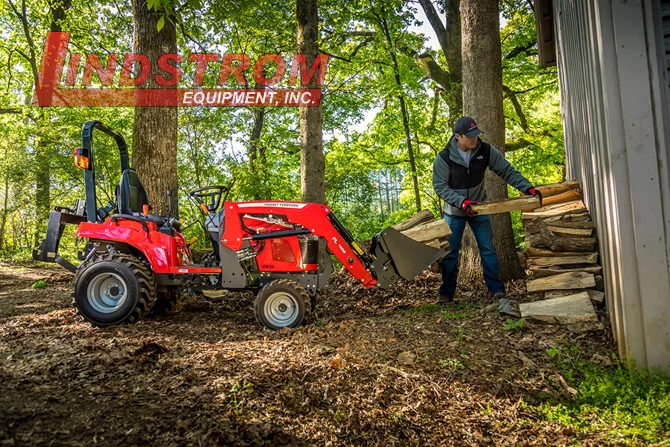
(461, 177)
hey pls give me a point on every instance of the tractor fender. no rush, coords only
(159, 249)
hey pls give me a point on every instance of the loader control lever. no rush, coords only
(211, 194)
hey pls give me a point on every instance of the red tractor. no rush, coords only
(135, 261)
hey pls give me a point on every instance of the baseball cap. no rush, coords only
(466, 126)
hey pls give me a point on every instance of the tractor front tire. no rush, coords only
(282, 303)
(113, 289)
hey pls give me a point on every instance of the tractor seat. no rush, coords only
(131, 198)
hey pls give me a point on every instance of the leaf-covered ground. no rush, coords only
(371, 368)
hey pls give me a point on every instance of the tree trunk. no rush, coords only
(403, 108)
(259, 119)
(312, 163)
(255, 151)
(43, 189)
(483, 100)
(5, 204)
(155, 128)
(410, 150)
(58, 9)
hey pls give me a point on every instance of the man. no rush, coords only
(458, 178)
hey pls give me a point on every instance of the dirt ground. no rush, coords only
(371, 368)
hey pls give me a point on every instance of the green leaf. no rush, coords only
(161, 23)
(39, 284)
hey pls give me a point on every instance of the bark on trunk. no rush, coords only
(483, 100)
(155, 128)
(312, 165)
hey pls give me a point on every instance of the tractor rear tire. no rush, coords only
(282, 303)
(113, 289)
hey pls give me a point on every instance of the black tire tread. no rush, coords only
(145, 280)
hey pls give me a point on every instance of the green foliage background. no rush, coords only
(367, 181)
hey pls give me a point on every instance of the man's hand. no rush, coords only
(536, 193)
(466, 206)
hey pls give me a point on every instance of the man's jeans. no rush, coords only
(483, 231)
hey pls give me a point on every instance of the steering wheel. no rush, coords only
(211, 193)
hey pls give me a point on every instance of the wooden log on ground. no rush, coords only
(573, 217)
(559, 231)
(576, 308)
(567, 196)
(560, 209)
(417, 219)
(596, 296)
(575, 205)
(547, 239)
(570, 232)
(426, 232)
(557, 188)
(565, 281)
(435, 243)
(582, 221)
(544, 253)
(524, 203)
(543, 272)
(587, 258)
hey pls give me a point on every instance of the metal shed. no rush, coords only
(612, 58)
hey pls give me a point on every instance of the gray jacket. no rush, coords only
(453, 198)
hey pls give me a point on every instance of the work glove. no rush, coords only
(536, 193)
(466, 206)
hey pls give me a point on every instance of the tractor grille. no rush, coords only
(281, 251)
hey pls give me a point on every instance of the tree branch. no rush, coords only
(517, 107)
(533, 88)
(435, 22)
(521, 143)
(26, 31)
(353, 53)
(514, 52)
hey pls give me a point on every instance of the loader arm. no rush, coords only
(392, 255)
(314, 217)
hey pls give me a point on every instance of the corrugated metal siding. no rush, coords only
(665, 16)
(614, 114)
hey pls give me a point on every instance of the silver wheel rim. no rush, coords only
(107, 293)
(281, 309)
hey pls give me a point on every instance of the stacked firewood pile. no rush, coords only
(423, 227)
(561, 248)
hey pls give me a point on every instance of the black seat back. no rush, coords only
(130, 195)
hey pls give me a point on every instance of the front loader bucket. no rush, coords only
(397, 256)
